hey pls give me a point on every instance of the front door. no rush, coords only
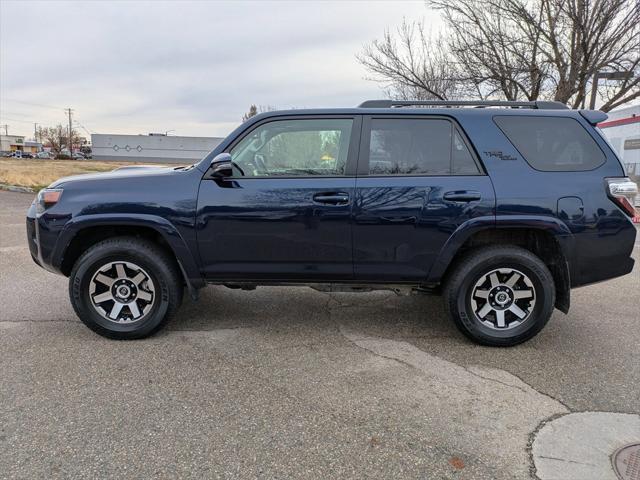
(418, 181)
(284, 215)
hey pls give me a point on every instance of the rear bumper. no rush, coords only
(606, 269)
(603, 257)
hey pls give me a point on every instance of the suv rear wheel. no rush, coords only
(500, 295)
(125, 288)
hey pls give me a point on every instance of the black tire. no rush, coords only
(476, 266)
(161, 271)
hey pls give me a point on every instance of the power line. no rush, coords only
(89, 131)
(33, 104)
(17, 114)
(84, 128)
(16, 120)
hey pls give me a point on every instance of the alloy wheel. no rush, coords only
(121, 292)
(503, 298)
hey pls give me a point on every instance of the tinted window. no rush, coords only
(552, 143)
(461, 159)
(418, 147)
(295, 148)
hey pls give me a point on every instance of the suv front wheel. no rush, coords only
(500, 295)
(125, 288)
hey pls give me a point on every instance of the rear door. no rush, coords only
(285, 214)
(418, 181)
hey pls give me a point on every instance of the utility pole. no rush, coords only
(6, 128)
(608, 76)
(35, 132)
(68, 110)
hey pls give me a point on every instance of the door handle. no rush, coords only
(462, 196)
(331, 198)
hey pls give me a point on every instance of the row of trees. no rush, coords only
(514, 50)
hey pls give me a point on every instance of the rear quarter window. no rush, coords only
(552, 144)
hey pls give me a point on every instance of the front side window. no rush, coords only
(418, 147)
(552, 144)
(312, 147)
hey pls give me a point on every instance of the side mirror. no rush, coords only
(221, 166)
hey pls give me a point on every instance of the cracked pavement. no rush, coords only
(294, 383)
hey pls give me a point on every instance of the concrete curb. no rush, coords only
(580, 445)
(15, 188)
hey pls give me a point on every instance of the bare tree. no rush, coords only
(254, 110)
(412, 64)
(57, 137)
(514, 49)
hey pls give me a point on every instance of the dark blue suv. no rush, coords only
(503, 207)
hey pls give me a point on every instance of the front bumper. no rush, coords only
(32, 240)
(43, 233)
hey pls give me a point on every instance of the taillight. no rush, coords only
(623, 192)
(47, 197)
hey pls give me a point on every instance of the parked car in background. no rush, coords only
(17, 154)
(44, 155)
(77, 156)
(7, 153)
(502, 208)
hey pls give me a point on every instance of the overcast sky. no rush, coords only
(192, 67)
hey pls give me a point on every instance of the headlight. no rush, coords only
(47, 197)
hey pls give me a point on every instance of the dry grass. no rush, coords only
(37, 173)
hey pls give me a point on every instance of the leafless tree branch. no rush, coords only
(514, 49)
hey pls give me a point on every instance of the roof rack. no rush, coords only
(461, 103)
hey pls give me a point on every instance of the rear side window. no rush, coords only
(552, 144)
(418, 147)
(462, 162)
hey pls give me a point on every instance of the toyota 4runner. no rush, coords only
(503, 207)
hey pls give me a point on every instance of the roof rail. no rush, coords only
(461, 103)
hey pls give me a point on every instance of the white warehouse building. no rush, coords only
(154, 148)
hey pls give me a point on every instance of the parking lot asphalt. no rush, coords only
(295, 383)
